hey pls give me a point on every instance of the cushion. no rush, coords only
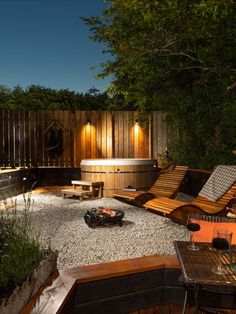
(221, 179)
(205, 234)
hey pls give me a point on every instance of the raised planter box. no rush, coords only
(22, 294)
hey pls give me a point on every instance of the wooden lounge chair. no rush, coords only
(167, 184)
(178, 210)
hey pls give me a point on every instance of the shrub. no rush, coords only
(20, 250)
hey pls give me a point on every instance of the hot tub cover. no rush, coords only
(118, 161)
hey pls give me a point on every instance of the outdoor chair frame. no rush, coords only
(166, 185)
(178, 210)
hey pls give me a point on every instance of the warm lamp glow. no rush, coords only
(136, 122)
(88, 122)
(138, 139)
(136, 130)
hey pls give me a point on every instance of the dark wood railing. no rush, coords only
(115, 287)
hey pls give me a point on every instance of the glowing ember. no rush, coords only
(107, 211)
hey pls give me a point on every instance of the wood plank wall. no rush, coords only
(24, 136)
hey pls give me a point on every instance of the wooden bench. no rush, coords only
(84, 188)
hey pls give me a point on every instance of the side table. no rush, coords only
(197, 272)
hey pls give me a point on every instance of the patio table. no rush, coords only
(197, 268)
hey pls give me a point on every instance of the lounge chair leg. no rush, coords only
(185, 302)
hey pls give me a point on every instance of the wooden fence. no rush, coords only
(63, 138)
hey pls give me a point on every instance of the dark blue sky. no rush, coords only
(44, 42)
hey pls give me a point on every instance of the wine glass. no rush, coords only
(192, 227)
(221, 241)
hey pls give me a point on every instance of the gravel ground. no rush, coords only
(60, 222)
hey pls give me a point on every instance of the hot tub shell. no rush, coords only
(120, 173)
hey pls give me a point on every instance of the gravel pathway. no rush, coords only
(60, 222)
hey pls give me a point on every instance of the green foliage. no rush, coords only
(206, 131)
(39, 97)
(177, 56)
(20, 251)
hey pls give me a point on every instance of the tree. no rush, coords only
(177, 56)
(40, 97)
(5, 95)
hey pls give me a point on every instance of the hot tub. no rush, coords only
(120, 173)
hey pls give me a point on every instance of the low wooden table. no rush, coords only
(85, 188)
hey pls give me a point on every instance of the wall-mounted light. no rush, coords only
(88, 122)
(136, 122)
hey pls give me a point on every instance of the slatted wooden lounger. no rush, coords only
(167, 184)
(178, 210)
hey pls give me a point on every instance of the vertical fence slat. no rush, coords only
(145, 151)
(164, 132)
(32, 137)
(126, 135)
(116, 133)
(121, 135)
(33, 133)
(82, 135)
(99, 134)
(39, 139)
(41, 158)
(88, 135)
(150, 148)
(159, 132)
(77, 138)
(5, 137)
(154, 135)
(93, 134)
(17, 138)
(103, 134)
(65, 120)
(46, 137)
(72, 123)
(21, 137)
(56, 122)
(70, 139)
(109, 136)
(27, 139)
(136, 135)
(131, 135)
(141, 141)
(11, 138)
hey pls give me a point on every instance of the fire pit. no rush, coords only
(103, 216)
